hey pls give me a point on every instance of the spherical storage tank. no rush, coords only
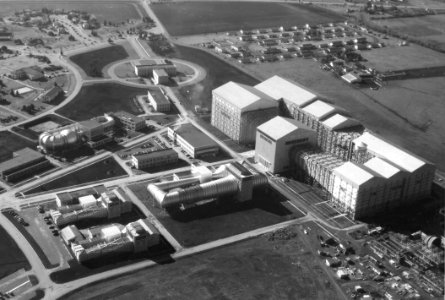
(60, 139)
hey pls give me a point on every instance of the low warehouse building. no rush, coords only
(145, 68)
(25, 163)
(52, 94)
(193, 141)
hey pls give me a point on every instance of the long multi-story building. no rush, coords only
(128, 122)
(98, 131)
(158, 100)
(99, 241)
(278, 139)
(145, 68)
(238, 109)
(154, 158)
(106, 205)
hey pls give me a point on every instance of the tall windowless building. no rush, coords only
(238, 109)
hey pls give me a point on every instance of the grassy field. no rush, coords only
(93, 62)
(11, 257)
(396, 112)
(103, 169)
(218, 73)
(10, 142)
(198, 17)
(216, 220)
(400, 58)
(102, 10)
(259, 268)
(97, 99)
(428, 28)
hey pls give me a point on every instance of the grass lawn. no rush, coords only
(11, 257)
(259, 268)
(429, 29)
(400, 58)
(220, 219)
(218, 73)
(103, 169)
(97, 99)
(190, 18)
(93, 62)
(10, 142)
(102, 10)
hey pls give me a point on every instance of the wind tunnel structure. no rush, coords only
(230, 179)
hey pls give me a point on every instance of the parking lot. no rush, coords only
(39, 226)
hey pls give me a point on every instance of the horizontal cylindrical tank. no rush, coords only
(60, 139)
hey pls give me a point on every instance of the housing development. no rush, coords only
(222, 149)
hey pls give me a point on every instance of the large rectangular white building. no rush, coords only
(195, 142)
(238, 109)
(277, 139)
(419, 172)
(292, 95)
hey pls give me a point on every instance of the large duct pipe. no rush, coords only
(220, 187)
(216, 188)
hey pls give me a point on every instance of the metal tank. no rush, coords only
(60, 139)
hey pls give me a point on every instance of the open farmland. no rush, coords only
(101, 9)
(96, 99)
(190, 18)
(400, 58)
(11, 257)
(428, 29)
(93, 62)
(10, 142)
(260, 268)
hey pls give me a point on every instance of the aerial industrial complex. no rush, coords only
(362, 173)
(265, 142)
